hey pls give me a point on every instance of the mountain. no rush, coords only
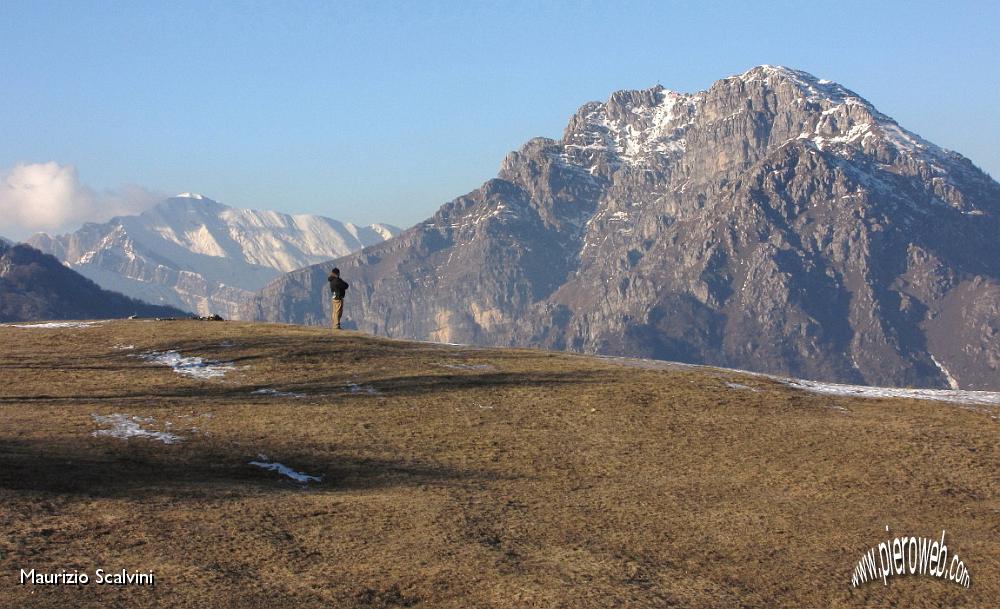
(35, 286)
(197, 254)
(775, 222)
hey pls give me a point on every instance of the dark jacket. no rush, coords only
(338, 287)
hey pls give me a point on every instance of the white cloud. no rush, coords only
(49, 197)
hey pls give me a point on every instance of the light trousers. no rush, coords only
(337, 311)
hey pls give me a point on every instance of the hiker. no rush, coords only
(338, 287)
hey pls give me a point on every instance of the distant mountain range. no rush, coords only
(775, 222)
(196, 254)
(36, 286)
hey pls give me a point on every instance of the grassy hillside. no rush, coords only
(461, 477)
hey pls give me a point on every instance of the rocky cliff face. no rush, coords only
(35, 286)
(775, 222)
(194, 253)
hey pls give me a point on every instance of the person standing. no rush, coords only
(338, 287)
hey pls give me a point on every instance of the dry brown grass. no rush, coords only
(518, 479)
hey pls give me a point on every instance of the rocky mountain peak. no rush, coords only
(629, 127)
(833, 116)
(751, 115)
(774, 221)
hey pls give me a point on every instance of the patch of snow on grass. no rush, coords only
(740, 386)
(284, 470)
(278, 394)
(193, 366)
(365, 389)
(983, 398)
(124, 427)
(955, 396)
(60, 324)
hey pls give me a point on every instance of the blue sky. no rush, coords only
(382, 111)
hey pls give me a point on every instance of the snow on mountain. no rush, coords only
(35, 286)
(192, 252)
(634, 125)
(630, 132)
(257, 237)
(775, 222)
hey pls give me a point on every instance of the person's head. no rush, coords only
(335, 272)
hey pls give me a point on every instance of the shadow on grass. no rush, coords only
(240, 351)
(353, 350)
(334, 348)
(140, 467)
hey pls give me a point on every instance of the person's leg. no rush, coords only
(338, 312)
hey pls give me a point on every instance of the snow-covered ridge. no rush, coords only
(260, 237)
(197, 254)
(815, 89)
(633, 126)
(846, 117)
(630, 130)
(386, 231)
